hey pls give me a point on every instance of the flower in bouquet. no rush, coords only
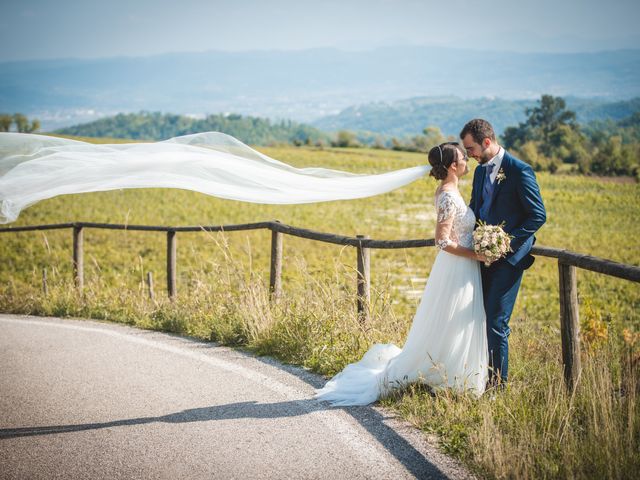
(491, 241)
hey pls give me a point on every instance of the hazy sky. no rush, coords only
(100, 28)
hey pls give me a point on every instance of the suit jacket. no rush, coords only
(516, 201)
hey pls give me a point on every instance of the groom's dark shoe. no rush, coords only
(496, 382)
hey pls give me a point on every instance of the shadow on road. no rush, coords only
(204, 414)
(374, 422)
(371, 420)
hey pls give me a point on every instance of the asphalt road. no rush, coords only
(84, 399)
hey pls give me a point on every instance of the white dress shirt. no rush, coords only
(496, 161)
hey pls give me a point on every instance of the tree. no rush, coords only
(528, 152)
(379, 143)
(433, 136)
(550, 114)
(614, 158)
(631, 121)
(23, 125)
(21, 121)
(346, 138)
(568, 145)
(552, 131)
(542, 121)
(514, 137)
(5, 122)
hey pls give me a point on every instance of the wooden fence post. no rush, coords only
(364, 281)
(171, 264)
(569, 324)
(150, 285)
(78, 256)
(275, 275)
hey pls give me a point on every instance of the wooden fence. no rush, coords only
(567, 264)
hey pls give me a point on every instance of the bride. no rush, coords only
(447, 343)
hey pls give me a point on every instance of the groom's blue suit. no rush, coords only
(516, 201)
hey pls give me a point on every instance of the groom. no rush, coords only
(504, 190)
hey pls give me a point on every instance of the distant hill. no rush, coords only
(411, 116)
(157, 126)
(302, 85)
(377, 121)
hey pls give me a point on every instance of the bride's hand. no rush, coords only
(482, 258)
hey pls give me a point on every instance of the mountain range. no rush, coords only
(305, 85)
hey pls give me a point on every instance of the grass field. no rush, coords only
(533, 430)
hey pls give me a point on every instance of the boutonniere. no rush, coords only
(501, 176)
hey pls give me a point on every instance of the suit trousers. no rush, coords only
(500, 285)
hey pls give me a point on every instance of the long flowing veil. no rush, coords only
(37, 167)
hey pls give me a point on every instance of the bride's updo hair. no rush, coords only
(441, 157)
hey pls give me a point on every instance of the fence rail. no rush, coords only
(568, 262)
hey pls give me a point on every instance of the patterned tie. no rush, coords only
(487, 191)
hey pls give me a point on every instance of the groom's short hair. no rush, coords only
(479, 129)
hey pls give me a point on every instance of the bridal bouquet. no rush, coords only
(491, 241)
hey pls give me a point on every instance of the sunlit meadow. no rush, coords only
(534, 429)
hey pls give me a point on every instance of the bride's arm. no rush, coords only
(446, 213)
(444, 242)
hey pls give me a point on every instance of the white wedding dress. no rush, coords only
(447, 342)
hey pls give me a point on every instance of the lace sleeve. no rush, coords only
(446, 210)
(445, 206)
